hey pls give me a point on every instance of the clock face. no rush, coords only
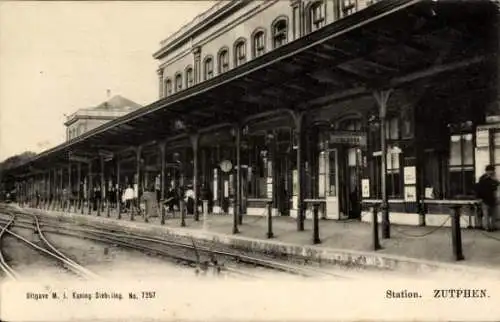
(226, 165)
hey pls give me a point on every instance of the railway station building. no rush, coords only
(338, 101)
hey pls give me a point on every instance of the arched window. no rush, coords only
(223, 63)
(178, 82)
(258, 43)
(280, 32)
(350, 124)
(240, 52)
(316, 15)
(208, 68)
(80, 129)
(189, 77)
(168, 87)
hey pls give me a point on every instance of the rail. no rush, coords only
(53, 252)
(3, 264)
(136, 241)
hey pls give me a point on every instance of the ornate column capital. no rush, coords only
(197, 52)
(160, 72)
(295, 3)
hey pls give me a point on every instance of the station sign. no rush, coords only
(351, 138)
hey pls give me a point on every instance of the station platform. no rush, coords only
(348, 243)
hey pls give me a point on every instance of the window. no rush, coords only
(461, 165)
(259, 45)
(80, 130)
(178, 82)
(349, 7)
(393, 174)
(496, 146)
(350, 125)
(280, 30)
(317, 16)
(168, 87)
(208, 68)
(223, 61)
(392, 129)
(189, 77)
(240, 53)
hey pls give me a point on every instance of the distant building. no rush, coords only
(86, 119)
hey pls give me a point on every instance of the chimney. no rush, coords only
(108, 93)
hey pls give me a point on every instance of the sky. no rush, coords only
(57, 57)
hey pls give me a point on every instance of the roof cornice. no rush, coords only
(180, 37)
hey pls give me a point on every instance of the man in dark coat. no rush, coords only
(486, 190)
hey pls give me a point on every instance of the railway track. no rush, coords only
(201, 257)
(3, 264)
(49, 250)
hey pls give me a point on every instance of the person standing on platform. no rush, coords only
(158, 189)
(486, 190)
(189, 199)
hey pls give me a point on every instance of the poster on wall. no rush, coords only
(365, 188)
(295, 181)
(482, 138)
(269, 188)
(410, 193)
(321, 186)
(410, 175)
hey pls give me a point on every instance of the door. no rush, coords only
(329, 179)
(353, 176)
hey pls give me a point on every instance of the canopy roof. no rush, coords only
(392, 43)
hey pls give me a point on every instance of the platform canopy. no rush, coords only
(392, 43)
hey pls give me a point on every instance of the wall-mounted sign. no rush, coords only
(269, 188)
(365, 188)
(410, 175)
(226, 166)
(410, 193)
(351, 138)
(482, 138)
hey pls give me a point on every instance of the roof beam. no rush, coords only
(438, 69)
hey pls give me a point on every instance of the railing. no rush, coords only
(454, 205)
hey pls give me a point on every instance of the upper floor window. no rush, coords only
(178, 82)
(280, 30)
(189, 77)
(317, 15)
(240, 52)
(349, 7)
(223, 61)
(392, 129)
(259, 43)
(80, 129)
(168, 87)
(208, 68)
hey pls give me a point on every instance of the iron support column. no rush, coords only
(69, 187)
(61, 187)
(79, 188)
(382, 97)
(195, 140)
(238, 175)
(89, 196)
(138, 178)
(236, 205)
(118, 197)
(162, 181)
(299, 120)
